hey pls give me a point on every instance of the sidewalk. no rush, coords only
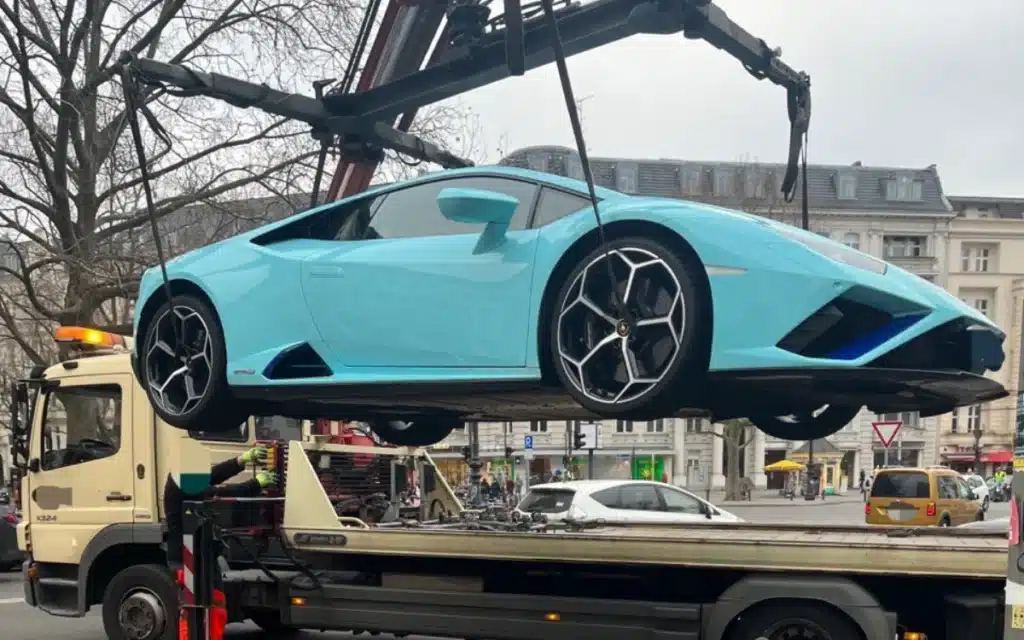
(766, 498)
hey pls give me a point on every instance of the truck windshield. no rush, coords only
(909, 484)
(547, 500)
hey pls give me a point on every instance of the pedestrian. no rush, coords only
(866, 491)
(221, 472)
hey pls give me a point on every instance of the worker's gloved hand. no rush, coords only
(266, 478)
(258, 453)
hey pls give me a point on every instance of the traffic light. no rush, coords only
(579, 439)
(508, 453)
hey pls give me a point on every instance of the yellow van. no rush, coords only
(921, 497)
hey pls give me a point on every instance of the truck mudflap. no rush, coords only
(848, 597)
(26, 583)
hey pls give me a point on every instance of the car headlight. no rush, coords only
(835, 251)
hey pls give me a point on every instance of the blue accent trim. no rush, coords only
(871, 341)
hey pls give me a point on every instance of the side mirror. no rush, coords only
(476, 206)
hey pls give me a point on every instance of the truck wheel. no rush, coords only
(141, 603)
(806, 621)
(270, 621)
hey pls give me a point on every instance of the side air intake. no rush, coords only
(835, 330)
(300, 361)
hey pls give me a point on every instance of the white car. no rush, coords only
(980, 489)
(620, 501)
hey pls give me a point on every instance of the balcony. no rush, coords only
(918, 265)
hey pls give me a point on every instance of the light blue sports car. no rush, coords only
(493, 293)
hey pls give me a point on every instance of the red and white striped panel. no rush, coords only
(188, 570)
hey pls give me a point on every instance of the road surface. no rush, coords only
(20, 622)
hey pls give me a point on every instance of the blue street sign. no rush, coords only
(528, 442)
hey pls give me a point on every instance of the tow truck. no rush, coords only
(337, 546)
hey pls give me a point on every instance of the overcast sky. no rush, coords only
(894, 83)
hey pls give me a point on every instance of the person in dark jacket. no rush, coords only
(221, 472)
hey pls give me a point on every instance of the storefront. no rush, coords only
(831, 460)
(654, 468)
(962, 459)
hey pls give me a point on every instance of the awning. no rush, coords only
(998, 457)
(959, 457)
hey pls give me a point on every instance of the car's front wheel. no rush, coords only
(182, 368)
(624, 330)
(806, 425)
(420, 432)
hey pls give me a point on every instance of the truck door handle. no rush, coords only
(326, 271)
(118, 497)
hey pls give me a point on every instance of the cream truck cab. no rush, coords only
(95, 459)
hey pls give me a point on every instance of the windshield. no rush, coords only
(910, 484)
(547, 500)
(974, 482)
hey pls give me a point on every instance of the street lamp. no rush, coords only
(977, 433)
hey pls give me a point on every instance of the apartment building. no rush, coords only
(986, 243)
(898, 214)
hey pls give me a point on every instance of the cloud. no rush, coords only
(906, 83)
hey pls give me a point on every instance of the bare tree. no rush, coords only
(69, 181)
(736, 436)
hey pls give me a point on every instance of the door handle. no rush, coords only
(325, 271)
(118, 497)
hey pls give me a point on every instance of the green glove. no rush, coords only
(255, 454)
(266, 478)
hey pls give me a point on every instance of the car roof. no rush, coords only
(593, 486)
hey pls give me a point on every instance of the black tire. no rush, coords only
(138, 589)
(415, 433)
(770, 621)
(829, 421)
(944, 522)
(216, 410)
(679, 373)
(269, 620)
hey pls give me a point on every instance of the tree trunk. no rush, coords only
(732, 470)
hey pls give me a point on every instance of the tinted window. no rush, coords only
(901, 485)
(278, 428)
(679, 502)
(547, 500)
(975, 482)
(965, 491)
(555, 204)
(635, 497)
(413, 212)
(81, 424)
(947, 487)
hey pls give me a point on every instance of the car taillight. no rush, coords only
(931, 509)
(867, 509)
(11, 518)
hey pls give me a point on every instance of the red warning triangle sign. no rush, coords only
(886, 431)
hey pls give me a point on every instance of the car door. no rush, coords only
(948, 498)
(679, 506)
(636, 502)
(84, 465)
(967, 509)
(415, 289)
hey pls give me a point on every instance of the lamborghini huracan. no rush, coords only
(494, 293)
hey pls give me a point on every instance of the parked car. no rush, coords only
(980, 488)
(10, 555)
(921, 497)
(621, 501)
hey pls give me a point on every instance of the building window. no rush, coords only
(694, 425)
(974, 418)
(574, 167)
(723, 182)
(903, 189)
(625, 177)
(980, 299)
(754, 184)
(689, 182)
(537, 161)
(623, 426)
(954, 421)
(904, 246)
(910, 419)
(538, 426)
(655, 426)
(852, 240)
(975, 258)
(847, 187)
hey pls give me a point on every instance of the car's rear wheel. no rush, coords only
(637, 363)
(806, 425)
(420, 432)
(182, 368)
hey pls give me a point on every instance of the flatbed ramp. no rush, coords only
(855, 550)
